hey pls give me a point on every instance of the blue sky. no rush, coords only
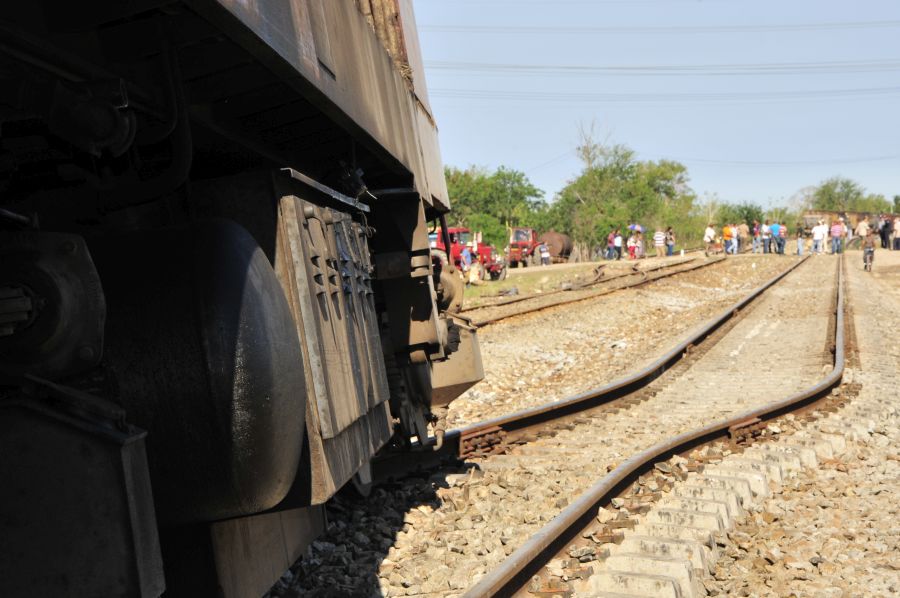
(769, 96)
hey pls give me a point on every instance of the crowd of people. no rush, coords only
(768, 236)
(634, 244)
(824, 237)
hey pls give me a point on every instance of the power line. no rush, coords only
(553, 160)
(824, 162)
(588, 2)
(835, 67)
(714, 161)
(651, 97)
(666, 30)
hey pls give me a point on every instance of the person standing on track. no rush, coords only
(545, 254)
(766, 234)
(775, 230)
(611, 244)
(782, 238)
(659, 242)
(887, 233)
(670, 241)
(800, 239)
(868, 246)
(709, 237)
(837, 236)
(727, 237)
(465, 262)
(897, 233)
(757, 241)
(617, 244)
(862, 229)
(819, 232)
(632, 246)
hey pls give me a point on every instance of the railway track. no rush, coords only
(670, 542)
(485, 315)
(545, 464)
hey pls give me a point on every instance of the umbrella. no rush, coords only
(636, 227)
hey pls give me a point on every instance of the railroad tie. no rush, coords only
(673, 546)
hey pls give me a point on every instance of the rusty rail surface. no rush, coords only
(514, 573)
(646, 279)
(480, 437)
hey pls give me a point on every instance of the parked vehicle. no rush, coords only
(524, 243)
(522, 250)
(491, 262)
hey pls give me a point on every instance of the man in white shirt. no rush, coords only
(819, 232)
(709, 237)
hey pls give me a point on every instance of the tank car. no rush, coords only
(217, 296)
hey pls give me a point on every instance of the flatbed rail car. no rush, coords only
(217, 300)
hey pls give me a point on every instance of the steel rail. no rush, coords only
(633, 272)
(392, 464)
(515, 572)
(600, 293)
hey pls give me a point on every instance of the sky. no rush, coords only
(758, 98)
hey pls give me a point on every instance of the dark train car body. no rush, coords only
(217, 298)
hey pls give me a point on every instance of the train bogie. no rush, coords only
(217, 296)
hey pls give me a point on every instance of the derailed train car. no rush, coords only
(217, 298)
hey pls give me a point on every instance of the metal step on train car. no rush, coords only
(217, 297)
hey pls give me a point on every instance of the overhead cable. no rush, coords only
(657, 97)
(663, 29)
(784, 68)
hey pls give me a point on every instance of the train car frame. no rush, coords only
(217, 296)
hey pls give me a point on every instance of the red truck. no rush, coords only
(491, 261)
(523, 243)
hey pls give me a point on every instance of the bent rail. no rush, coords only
(462, 442)
(517, 569)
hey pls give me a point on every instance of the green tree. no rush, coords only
(740, 213)
(837, 194)
(897, 204)
(615, 189)
(492, 202)
(846, 195)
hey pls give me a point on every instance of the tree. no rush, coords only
(837, 194)
(845, 195)
(492, 202)
(615, 189)
(740, 213)
(897, 204)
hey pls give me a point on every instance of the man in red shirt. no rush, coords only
(837, 236)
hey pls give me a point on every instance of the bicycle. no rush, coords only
(868, 258)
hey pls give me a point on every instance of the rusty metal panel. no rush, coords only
(367, 89)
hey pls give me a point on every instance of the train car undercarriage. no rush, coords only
(217, 296)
